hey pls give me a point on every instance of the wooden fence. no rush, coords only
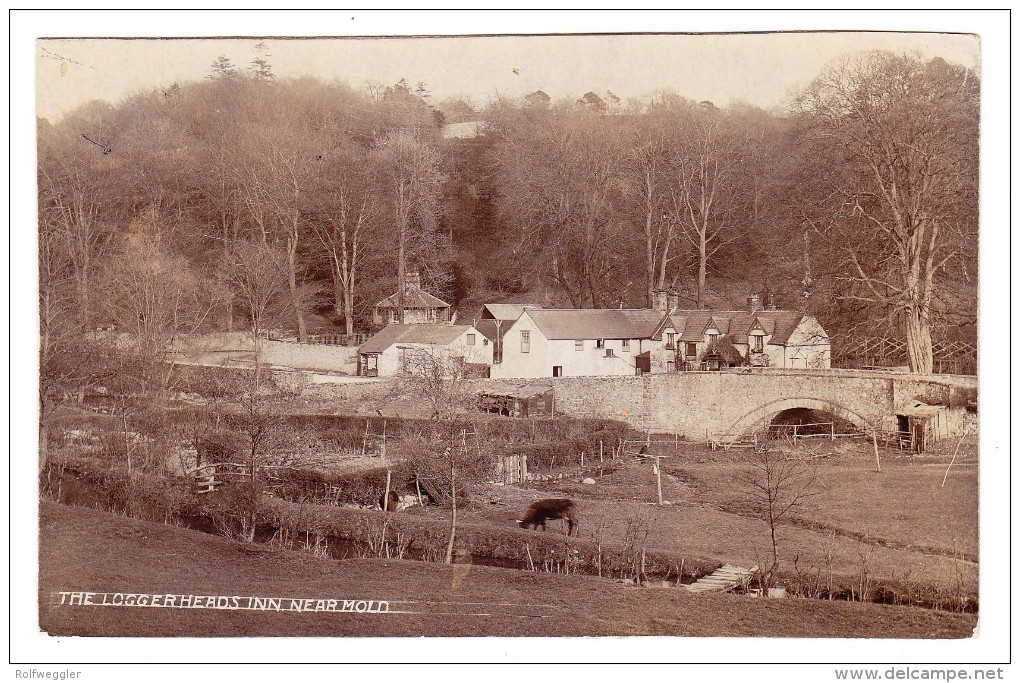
(356, 339)
(512, 469)
(211, 476)
(796, 432)
(948, 357)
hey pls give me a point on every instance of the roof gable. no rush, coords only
(414, 297)
(780, 325)
(506, 311)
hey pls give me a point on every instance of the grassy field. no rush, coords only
(906, 535)
(87, 550)
(898, 526)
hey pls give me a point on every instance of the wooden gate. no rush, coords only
(512, 469)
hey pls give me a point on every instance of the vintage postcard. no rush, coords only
(668, 335)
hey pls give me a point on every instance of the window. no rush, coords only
(578, 345)
(525, 341)
(557, 371)
(692, 350)
(670, 366)
(609, 353)
(625, 345)
(471, 340)
(395, 316)
(600, 343)
(712, 338)
(758, 343)
(670, 341)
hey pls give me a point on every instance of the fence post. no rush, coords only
(832, 431)
(874, 440)
(658, 478)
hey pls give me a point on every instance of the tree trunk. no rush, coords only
(649, 258)
(702, 269)
(349, 310)
(919, 346)
(44, 436)
(292, 283)
(338, 293)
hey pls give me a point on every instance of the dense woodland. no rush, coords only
(248, 202)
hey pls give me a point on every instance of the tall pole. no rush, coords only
(658, 478)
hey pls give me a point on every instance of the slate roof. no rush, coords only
(691, 325)
(506, 311)
(597, 323)
(414, 297)
(412, 334)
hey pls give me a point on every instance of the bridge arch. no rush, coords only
(764, 414)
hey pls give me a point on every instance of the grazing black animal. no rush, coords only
(542, 511)
(394, 501)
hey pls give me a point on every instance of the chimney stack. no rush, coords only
(770, 300)
(412, 279)
(672, 300)
(754, 302)
(659, 300)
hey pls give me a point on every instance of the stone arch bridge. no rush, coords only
(716, 405)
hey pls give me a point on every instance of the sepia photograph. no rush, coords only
(646, 337)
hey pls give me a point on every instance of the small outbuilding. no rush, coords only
(922, 425)
(420, 307)
(530, 400)
(421, 350)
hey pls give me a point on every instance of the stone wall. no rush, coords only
(311, 356)
(711, 405)
(717, 405)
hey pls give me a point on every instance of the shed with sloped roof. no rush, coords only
(401, 350)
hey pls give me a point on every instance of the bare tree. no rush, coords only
(705, 164)
(898, 136)
(155, 295)
(257, 419)
(559, 173)
(349, 229)
(645, 170)
(412, 165)
(777, 486)
(75, 226)
(256, 274)
(437, 373)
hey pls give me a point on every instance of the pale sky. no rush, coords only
(763, 69)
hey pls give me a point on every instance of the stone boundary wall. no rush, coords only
(311, 356)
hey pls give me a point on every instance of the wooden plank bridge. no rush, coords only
(723, 579)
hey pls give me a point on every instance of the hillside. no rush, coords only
(86, 550)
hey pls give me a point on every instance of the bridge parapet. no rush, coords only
(709, 405)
